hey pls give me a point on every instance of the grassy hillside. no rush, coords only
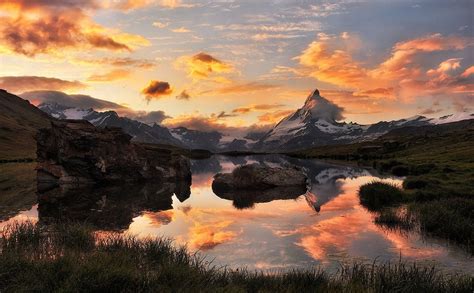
(19, 122)
(438, 192)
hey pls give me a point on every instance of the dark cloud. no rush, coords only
(151, 117)
(206, 58)
(156, 89)
(19, 84)
(224, 114)
(183, 95)
(76, 101)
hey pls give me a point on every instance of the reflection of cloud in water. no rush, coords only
(209, 235)
(159, 218)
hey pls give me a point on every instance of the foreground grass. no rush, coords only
(72, 259)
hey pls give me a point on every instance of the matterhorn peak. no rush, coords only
(321, 108)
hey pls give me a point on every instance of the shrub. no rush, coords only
(376, 195)
(400, 170)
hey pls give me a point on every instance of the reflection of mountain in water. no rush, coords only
(109, 208)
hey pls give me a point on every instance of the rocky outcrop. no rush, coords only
(259, 177)
(75, 152)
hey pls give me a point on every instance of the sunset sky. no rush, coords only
(217, 64)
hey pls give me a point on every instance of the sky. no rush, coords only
(224, 64)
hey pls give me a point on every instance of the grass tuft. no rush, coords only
(377, 195)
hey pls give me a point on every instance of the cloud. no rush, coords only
(400, 76)
(184, 95)
(160, 24)
(151, 117)
(119, 62)
(157, 89)
(109, 76)
(265, 37)
(181, 30)
(76, 101)
(19, 84)
(204, 66)
(46, 27)
(241, 88)
(274, 117)
(256, 107)
(323, 108)
(468, 72)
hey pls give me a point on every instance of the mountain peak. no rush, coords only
(321, 108)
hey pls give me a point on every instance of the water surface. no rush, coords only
(324, 227)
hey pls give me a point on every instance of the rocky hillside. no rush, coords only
(19, 123)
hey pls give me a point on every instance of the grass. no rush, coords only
(71, 258)
(377, 195)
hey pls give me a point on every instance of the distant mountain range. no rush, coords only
(315, 124)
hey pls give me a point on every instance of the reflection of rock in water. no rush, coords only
(17, 188)
(108, 208)
(243, 199)
(210, 165)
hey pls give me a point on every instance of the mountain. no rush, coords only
(141, 132)
(19, 123)
(316, 124)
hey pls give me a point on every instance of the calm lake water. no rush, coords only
(324, 227)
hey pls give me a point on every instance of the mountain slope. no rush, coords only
(19, 122)
(315, 124)
(140, 132)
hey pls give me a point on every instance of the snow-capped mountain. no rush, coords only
(316, 124)
(142, 132)
(139, 131)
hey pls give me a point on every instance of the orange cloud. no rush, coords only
(157, 89)
(42, 27)
(19, 84)
(181, 30)
(109, 76)
(400, 76)
(274, 117)
(207, 236)
(203, 66)
(257, 107)
(241, 88)
(118, 62)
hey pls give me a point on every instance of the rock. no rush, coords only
(75, 152)
(259, 177)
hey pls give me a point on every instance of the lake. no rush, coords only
(325, 227)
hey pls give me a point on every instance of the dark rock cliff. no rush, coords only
(75, 152)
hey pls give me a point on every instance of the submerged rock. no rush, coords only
(259, 177)
(76, 152)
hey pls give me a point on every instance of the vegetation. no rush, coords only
(19, 122)
(73, 259)
(438, 191)
(376, 195)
